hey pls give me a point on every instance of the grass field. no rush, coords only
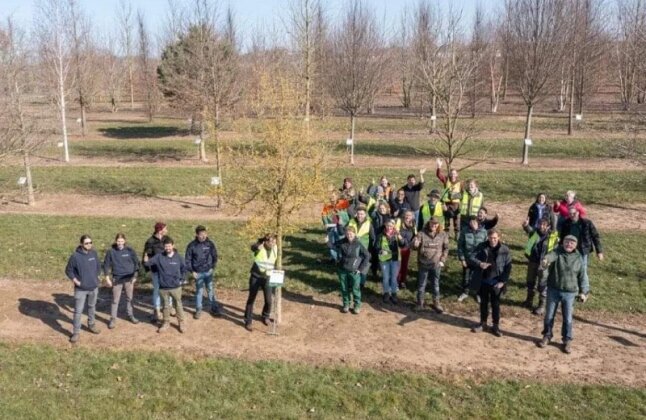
(616, 284)
(81, 383)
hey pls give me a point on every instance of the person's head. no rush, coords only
(362, 214)
(351, 233)
(434, 196)
(86, 242)
(401, 195)
(453, 175)
(493, 236)
(570, 196)
(161, 229)
(473, 222)
(383, 181)
(482, 213)
(383, 208)
(409, 218)
(347, 183)
(411, 180)
(169, 245)
(334, 196)
(570, 243)
(200, 233)
(364, 198)
(433, 225)
(269, 240)
(472, 187)
(120, 240)
(573, 214)
(389, 226)
(541, 198)
(543, 226)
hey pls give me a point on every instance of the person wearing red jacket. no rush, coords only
(562, 208)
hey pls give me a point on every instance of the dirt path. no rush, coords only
(202, 208)
(608, 349)
(368, 161)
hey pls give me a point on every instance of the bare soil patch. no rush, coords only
(632, 217)
(607, 349)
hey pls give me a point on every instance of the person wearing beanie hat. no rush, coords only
(563, 270)
(431, 208)
(155, 245)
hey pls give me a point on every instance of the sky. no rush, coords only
(249, 14)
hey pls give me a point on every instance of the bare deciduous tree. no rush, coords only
(356, 63)
(630, 47)
(50, 25)
(536, 48)
(493, 56)
(406, 59)
(147, 68)
(126, 23)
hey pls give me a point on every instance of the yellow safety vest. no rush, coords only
(438, 212)
(266, 260)
(363, 231)
(552, 241)
(452, 192)
(470, 205)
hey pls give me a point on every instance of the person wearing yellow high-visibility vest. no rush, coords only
(472, 200)
(541, 242)
(365, 232)
(265, 254)
(406, 227)
(431, 208)
(451, 197)
(389, 241)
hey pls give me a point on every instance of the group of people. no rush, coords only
(377, 228)
(168, 270)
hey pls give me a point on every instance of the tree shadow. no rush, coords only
(131, 153)
(610, 327)
(145, 132)
(66, 303)
(308, 300)
(623, 341)
(49, 313)
(303, 257)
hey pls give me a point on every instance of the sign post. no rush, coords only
(276, 281)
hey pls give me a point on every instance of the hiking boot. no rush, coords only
(74, 338)
(462, 297)
(247, 326)
(496, 330)
(157, 315)
(386, 298)
(355, 311)
(544, 342)
(133, 319)
(197, 314)
(345, 309)
(437, 307)
(394, 300)
(163, 327)
(112, 323)
(419, 307)
(477, 329)
(216, 311)
(266, 320)
(93, 329)
(567, 347)
(182, 327)
(529, 301)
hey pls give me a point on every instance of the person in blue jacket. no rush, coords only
(201, 258)
(83, 269)
(121, 267)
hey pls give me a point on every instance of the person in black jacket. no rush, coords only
(492, 262)
(540, 210)
(353, 260)
(83, 269)
(155, 245)
(201, 259)
(170, 269)
(121, 267)
(586, 234)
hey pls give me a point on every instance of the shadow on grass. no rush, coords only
(132, 154)
(143, 132)
(304, 256)
(610, 327)
(49, 313)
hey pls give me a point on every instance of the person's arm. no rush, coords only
(372, 237)
(365, 260)
(584, 286)
(70, 271)
(182, 267)
(461, 246)
(214, 254)
(445, 250)
(527, 227)
(438, 174)
(596, 240)
(150, 262)
(582, 211)
(107, 265)
(506, 272)
(188, 259)
(474, 257)
(421, 176)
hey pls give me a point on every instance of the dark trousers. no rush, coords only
(466, 279)
(255, 284)
(451, 213)
(534, 279)
(488, 293)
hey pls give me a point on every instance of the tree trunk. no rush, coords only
(352, 118)
(218, 164)
(528, 128)
(132, 87)
(61, 93)
(279, 266)
(571, 113)
(506, 76)
(433, 114)
(30, 186)
(83, 116)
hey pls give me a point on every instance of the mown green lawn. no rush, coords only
(40, 381)
(37, 247)
(606, 187)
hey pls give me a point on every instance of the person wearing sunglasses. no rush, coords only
(83, 269)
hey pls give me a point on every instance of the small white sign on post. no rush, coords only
(433, 117)
(198, 140)
(22, 180)
(578, 117)
(215, 180)
(276, 278)
(528, 142)
(78, 120)
(348, 142)
(60, 144)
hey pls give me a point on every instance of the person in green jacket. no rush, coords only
(468, 240)
(563, 269)
(353, 260)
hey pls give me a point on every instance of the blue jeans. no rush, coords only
(423, 276)
(80, 297)
(156, 297)
(333, 236)
(205, 280)
(554, 297)
(389, 272)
